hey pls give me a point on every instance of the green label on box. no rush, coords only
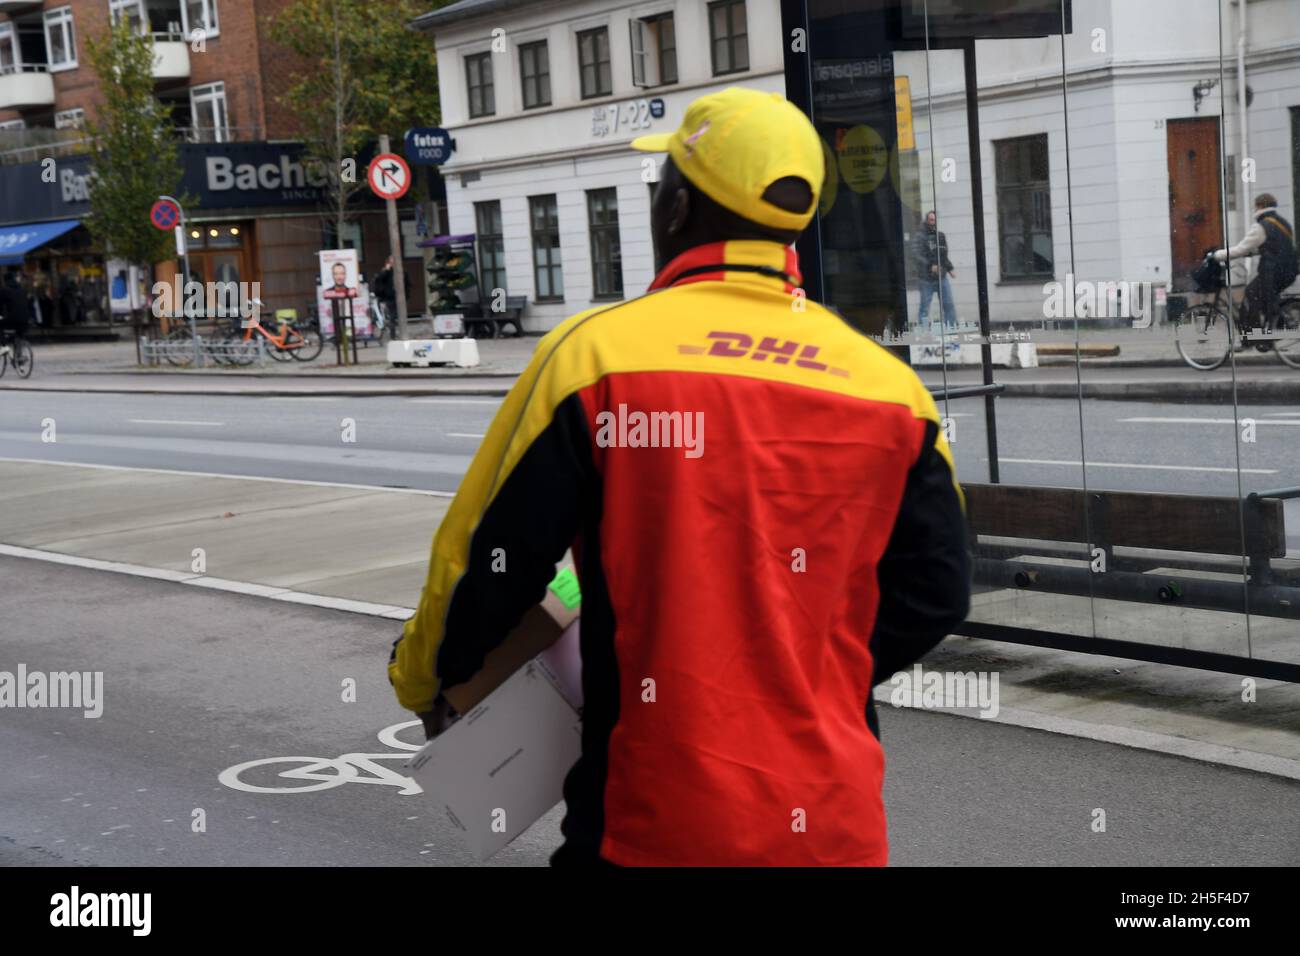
(566, 588)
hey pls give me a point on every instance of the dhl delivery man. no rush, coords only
(764, 518)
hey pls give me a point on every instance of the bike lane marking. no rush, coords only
(247, 588)
(215, 474)
(328, 773)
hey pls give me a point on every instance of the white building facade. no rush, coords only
(1152, 98)
(543, 99)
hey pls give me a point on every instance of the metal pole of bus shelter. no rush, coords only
(981, 259)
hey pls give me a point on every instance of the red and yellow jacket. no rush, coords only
(784, 533)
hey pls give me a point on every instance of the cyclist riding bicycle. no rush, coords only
(1272, 239)
(15, 314)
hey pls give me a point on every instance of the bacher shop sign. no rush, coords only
(219, 175)
(231, 175)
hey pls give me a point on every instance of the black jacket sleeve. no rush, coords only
(925, 573)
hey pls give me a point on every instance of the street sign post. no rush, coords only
(390, 178)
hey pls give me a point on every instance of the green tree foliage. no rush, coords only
(133, 149)
(365, 73)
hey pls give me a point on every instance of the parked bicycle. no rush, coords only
(288, 342)
(1208, 331)
(236, 345)
(16, 351)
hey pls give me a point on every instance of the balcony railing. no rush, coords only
(171, 56)
(230, 134)
(24, 86)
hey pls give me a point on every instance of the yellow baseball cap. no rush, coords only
(733, 144)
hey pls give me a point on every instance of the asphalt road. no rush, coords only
(428, 442)
(196, 683)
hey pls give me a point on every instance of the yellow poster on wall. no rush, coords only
(903, 106)
(863, 157)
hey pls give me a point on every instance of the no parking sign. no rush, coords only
(165, 214)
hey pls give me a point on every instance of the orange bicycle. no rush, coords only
(288, 342)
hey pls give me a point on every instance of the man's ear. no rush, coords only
(679, 212)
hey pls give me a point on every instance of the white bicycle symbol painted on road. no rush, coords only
(325, 773)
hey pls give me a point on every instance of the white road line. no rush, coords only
(1120, 464)
(476, 435)
(301, 398)
(1128, 737)
(1203, 421)
(213, 474)
(391, 611)
(166, 421)
(454, 401)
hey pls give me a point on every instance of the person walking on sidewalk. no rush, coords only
(933, 268)
(1273, 240)
(786, 534)
(386, 291)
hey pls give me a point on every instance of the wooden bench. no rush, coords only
(1115, 544)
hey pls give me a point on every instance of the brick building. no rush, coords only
(218, 74)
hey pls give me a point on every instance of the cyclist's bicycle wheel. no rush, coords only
(304, 346)
(23, 359)
(1204, 337)
(1287, 345)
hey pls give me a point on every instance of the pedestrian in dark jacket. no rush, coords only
(15, 314)
(933, 267)
(386, 288)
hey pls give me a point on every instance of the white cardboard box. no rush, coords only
(501, 767)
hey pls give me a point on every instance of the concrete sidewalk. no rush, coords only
(372, 545)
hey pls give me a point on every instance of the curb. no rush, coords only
(285, 376)
(1255, 393)
(409, 392)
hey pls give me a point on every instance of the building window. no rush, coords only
(169, 19)
(729, 36)
(201, 18)
(535, 71)
(606, 258)
(548, 278)
(208, 121)
(131, 10)
(478, 80)
(11, 125)
(491, 248)
(654, 50)
(70, 119)
(60, 40)
(1024, 207)
(593, 63)
(10, 57)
